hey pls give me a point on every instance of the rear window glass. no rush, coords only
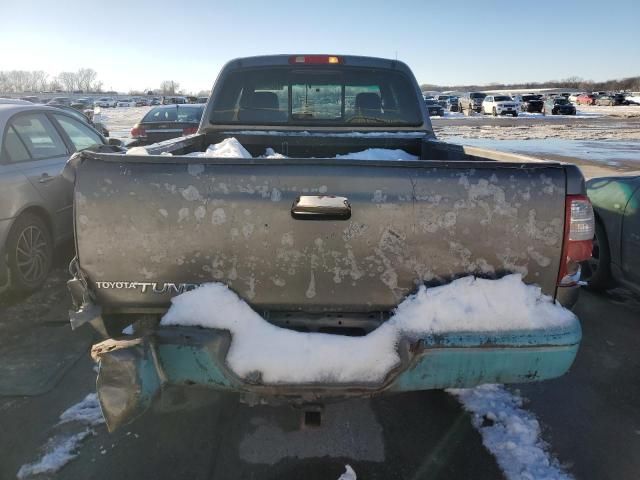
(477, 95)
(39, 135)
(178, 113)
(13, 147)
(312, 96)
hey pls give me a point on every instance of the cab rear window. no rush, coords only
(316, 96)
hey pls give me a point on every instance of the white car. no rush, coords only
(126, 102)
(499, 105)
(633, 98)
(105, 102)
(573, 98)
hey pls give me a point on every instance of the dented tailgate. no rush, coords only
(149, 227)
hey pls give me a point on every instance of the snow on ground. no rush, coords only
(616, 130)
(606, 152)
(120, 120)
(280, 355)
(348, 474)
(61, 448)
(59, 451)
(510, 433)
(86, 411)
(623, 111)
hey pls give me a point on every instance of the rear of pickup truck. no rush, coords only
(314, 243)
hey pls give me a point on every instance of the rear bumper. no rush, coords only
(133, 370)
(533, 108)
(564, 111)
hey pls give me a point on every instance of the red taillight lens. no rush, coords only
(579, 228)
(189, 130)
(314, 59)
(137, 131)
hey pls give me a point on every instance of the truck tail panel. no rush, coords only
(148, 228)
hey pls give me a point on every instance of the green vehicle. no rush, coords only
(616, 244)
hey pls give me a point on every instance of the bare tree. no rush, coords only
(4, 83)
(69, 80)
(86, 78)
(18, 80)
(55, 85)
(38, 81)
(169, 87)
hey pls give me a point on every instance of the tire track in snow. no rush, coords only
(63, 447)
(510, 433)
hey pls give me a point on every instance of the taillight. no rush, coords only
(579, 228)
(189, 130)
(314, 59)
(138, 131)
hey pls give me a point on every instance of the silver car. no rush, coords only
(35, 200)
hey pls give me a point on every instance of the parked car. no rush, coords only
(378, 230)
(31, 99)
(499, 105)
(632, 98)
(35, 201)
(619, 99)
(616, 243)
(85, 116)
(106, 102)
(529, 103)
(453, 104)
(434, 108)
(141, 102)
(471, 102)
(558, 106)
(82, 103)
(442, 100)
(60, 101)
(165, 122)
(573, 98)
(14, 101)
(603, 100)
(202, 99)
(126, 102)
(155, 101)
(586, 99)
(173, 100)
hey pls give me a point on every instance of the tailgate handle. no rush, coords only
(321, 207)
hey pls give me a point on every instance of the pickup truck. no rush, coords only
(471, 102)
(314, 240)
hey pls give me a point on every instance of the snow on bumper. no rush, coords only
(133, 371)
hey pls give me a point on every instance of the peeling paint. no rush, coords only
(311, 289)
(218, 216)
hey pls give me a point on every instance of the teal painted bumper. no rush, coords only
(133, 371)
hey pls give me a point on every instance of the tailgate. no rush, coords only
(149, 227)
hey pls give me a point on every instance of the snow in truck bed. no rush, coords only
(232, 148)
(281, 355)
